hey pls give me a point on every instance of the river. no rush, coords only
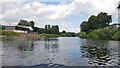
(68, 51)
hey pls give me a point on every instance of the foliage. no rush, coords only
(26, 23)
(83, 35)
(84, 27)
(103, 33)
(63, 31)
(55, 29)
(100, 34)
(116, 34)
(68, 34)
(32, 24)
(48, 29)
(95, 22)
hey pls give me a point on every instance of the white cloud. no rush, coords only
(43, 14)
(12, 0)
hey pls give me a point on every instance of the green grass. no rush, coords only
(9, 33)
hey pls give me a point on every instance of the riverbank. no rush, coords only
(103, 34)
(11, 34)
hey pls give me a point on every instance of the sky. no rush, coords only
(68, 14)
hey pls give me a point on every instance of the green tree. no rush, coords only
(95, 22)
(32, 24)
(24, 23)
(63, 31)
(55, 29)
(84, 26)
(47, 27)
(83, 35)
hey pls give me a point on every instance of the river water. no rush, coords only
(68, 51)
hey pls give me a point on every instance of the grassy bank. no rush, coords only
(103, 34)
(12, 34)
(9, 33)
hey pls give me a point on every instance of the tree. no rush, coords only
(32, 24)
(55, 29)
(36, 29)
(47, 26)
(24, 23)
(84, 26)
(63, 31)
(103, 19)
(95, 22)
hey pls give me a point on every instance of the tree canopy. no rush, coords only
(26, 23)
(95, 22)
(52, 30)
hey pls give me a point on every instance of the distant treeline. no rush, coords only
(48, 30)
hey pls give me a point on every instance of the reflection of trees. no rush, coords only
(97, 54)
(51, 44)
(26, 45)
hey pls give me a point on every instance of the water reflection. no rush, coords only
(66, 51)
(51, 45)
(97, 54)
(26, 45)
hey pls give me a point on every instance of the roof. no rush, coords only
(21, 26)
(26, 27)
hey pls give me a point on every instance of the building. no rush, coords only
(20, 29)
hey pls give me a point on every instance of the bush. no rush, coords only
(116, 35)
(103, 33)
(83, 35)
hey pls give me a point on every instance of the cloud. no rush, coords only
(12, 0)
(43, 13)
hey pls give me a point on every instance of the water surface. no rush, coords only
(68, 51)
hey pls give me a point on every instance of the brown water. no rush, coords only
(68, 51)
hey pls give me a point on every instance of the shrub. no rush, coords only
(83, 35)
(116, 35)
(105, 33)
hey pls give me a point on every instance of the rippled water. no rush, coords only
(68, 51)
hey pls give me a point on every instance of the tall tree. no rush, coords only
(55, 29)
(95, 22)
(32, 24)
(24, 23)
